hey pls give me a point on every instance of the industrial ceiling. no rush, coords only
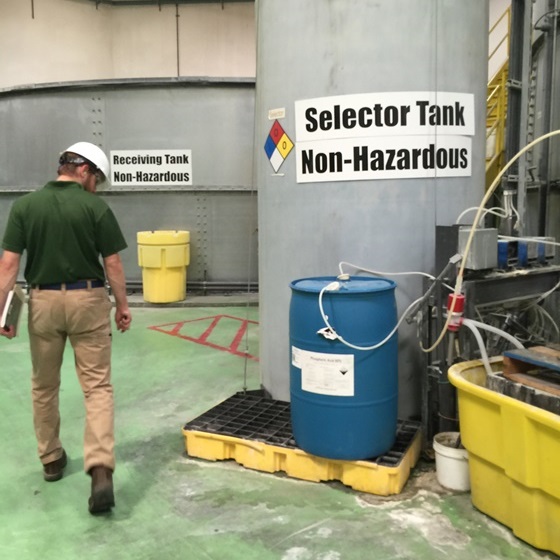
(161, 2)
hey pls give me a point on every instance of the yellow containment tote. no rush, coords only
(164, 257)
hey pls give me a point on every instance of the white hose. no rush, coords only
(538, 240)
(495, 330)
(383, 274)
(496, 211)
(489, 192)
(331, 287)
(543, 312)
(378, 273)
(481, 347)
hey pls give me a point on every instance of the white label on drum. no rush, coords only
(325, 374)
(297, 356)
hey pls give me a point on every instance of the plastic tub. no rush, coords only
(514, 457)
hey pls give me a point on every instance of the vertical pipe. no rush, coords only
(552, 111)
(177, 34)
(32, 9)
(548, 109)
(544, 167)
(525, 73)
(516, 130)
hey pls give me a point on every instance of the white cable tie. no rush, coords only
(328, 333)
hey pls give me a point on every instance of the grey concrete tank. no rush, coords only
(352, 84)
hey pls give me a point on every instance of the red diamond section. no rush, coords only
(222, 332)
(276, 132)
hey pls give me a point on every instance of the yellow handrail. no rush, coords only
(496, 101)
(507, 13)
(504, 39)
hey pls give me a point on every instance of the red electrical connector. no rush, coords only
(458, 303)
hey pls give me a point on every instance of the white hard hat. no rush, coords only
(92, 153)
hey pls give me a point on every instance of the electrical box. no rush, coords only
(483, 252)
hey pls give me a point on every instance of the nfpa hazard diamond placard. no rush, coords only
(277, 146)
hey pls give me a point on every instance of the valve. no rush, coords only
(458, 309)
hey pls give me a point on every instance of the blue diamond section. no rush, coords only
(269, 146)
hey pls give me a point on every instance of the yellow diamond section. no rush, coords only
(284, 146)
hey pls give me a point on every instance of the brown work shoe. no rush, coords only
(102, 498)
(53, 471)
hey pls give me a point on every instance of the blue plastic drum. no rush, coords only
(343, 400)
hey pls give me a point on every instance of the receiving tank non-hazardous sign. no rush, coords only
(384, 135)
(143, 168)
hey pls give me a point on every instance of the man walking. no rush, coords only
(65, 229)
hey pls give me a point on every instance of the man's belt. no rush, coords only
(80, 285)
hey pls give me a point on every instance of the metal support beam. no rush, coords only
(505, 287)
(518, 98)
(550, 30)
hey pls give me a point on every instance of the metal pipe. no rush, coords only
(525, 69)
(547, 91)
(517, 110)
(177, 16)
(205, 285)
(552, 113)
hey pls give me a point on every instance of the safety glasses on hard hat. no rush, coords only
(77, 160)
(99, 177)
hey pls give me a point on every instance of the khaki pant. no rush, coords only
(83, 316)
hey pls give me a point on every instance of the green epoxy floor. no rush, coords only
(170, 506)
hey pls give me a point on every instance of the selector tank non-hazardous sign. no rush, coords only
(384, 136)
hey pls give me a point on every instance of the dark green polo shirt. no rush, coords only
(64, 230)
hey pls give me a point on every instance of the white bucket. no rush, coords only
(452, 465)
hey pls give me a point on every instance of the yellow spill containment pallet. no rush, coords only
(256, 432)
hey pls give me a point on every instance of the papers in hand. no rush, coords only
(11, 314)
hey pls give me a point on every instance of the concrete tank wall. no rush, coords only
(318, 49)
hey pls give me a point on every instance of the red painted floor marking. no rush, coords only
(233, 348)
(238, 337)
(209, 330)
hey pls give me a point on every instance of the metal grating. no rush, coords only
(250, 415)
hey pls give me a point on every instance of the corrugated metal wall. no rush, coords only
(213, 119)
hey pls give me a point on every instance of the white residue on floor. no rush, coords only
(301, 553)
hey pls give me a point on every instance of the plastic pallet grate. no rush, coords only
(257, 433)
